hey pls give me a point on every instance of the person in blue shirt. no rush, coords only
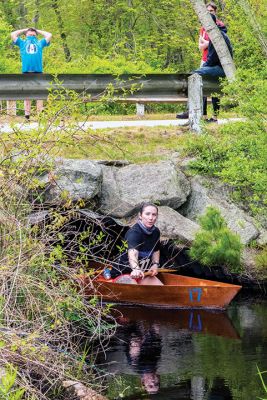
(31, 52)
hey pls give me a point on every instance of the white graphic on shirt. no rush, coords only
(31, 48)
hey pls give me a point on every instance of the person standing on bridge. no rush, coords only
(31, 52)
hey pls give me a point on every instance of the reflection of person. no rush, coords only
(143, 253)
(143, 351)
(31, 52)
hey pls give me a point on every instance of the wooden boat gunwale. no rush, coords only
(179, 291)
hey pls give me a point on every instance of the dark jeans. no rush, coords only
(215, 104)
(215, 71)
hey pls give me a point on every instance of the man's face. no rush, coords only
(30, 33)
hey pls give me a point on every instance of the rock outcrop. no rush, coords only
(210, 192)
(173, 225)
(124, 189)
(74, 179)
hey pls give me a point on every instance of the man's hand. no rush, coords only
(137, 274)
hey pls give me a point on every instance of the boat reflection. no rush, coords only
(151, 341)
(191, 320)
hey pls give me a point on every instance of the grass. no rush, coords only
(133, 144)
(8, 119)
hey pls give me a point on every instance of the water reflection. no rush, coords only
(143, 351)
(188, 354)
(192, 320)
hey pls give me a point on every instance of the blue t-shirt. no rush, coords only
(31, 52)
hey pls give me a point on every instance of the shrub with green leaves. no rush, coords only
(7, 385)
(215, 244)
(261, 263)
(237, 155)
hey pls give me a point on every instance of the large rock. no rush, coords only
(124, 189)
(210, 192)
(76, 179)
(173, 225)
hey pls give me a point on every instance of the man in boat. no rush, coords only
(143, 254)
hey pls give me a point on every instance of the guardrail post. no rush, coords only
(195, 102)
(140, 109)
(11, 107)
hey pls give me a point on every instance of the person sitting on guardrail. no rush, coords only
(213, 67)
(204, 42)
(31, 52)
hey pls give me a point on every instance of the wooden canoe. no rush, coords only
(177, 292)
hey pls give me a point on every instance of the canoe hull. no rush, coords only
(177, 292)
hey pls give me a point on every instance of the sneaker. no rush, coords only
(210, 120)
(184, 115)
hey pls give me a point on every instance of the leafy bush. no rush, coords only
(8, 381)
(237, 155)
(215, 244)
(261, 263)
(38, 297)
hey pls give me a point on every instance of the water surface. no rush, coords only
(189, 354)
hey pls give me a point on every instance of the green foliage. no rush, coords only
(262, 382)
(127, 36)
(215, 244)
(40, 292)
(8, 390)
(6, 64)
(142, 37)
(261, 263)
(248, 92)
(237, 155)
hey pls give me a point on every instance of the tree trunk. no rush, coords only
(36, 16)
(216, 38)
(61, 30)
(23, 13)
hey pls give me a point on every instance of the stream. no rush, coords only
(189, 354)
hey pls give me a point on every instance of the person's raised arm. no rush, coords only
(16, 34)
(133, 261)
(46, 35)
(203, 43)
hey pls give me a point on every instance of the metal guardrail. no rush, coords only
(150, 87)
(134, 88)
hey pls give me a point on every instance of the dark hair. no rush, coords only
(211, 4)
(147, 204)
(32, 30)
